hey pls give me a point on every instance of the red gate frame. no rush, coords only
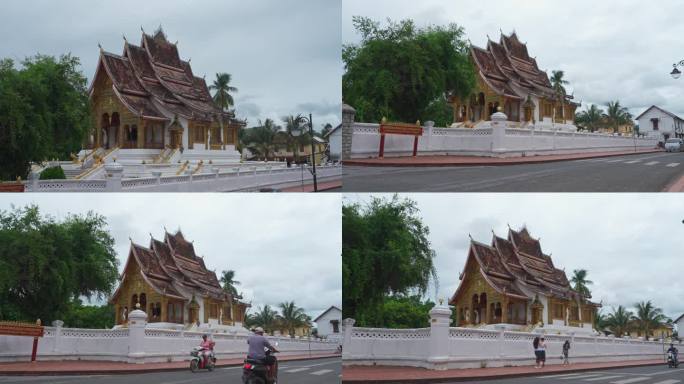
(15, 328)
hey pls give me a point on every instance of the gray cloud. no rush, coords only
(277, 256)
(629, 243)
(609, 49)
(283, 53)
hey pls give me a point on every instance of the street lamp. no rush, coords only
(676, 73)
(297, 131)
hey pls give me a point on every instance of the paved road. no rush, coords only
(637, 375)
(650, 172)
(320, 371)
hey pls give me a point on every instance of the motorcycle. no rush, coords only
(197, 362)
(256, 372)
(672, 360)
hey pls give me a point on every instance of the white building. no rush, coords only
(334, 138)
(329, 323)
(678, 325)
(658, 123)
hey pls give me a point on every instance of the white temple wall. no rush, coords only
(476, 348)
(158, 345)
(545, 313)
(492, 142)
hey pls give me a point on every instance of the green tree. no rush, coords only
(580, 282)
(43, 112)
(385, 251)
(647, 318)
(221, 85)
(89, 316)
(599, 321)
(229, 282)
(292, 316)
(591, 118)
(405, 73)
(46, 264)
(402, 311)
(264, 317)
(293, 143)
(558, 83)
(619, 321)
(262, 139)
(617, 115)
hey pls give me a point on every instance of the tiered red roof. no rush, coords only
(172, 268)
(152, 75)
(508, 63)
(517, 267)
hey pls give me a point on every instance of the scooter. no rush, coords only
(197, 362)
(256, 372)
(672, 361)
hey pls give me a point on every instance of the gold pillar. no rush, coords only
(141, 133)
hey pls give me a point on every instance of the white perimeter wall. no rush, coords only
(159, 345)
(489, 141)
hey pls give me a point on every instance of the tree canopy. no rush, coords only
(385, 252)
(43, 112)
(46, 264)
(405, 73)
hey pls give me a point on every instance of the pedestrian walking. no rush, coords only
(566, 352)
(537, 352)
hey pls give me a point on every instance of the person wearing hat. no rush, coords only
(258, 344)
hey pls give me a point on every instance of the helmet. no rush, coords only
(259, 330)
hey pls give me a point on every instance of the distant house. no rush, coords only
(679, 322)
(334, 138)
(329, 323)
(659, 123)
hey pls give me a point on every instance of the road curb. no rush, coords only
(676, 186)
(141, 371)
(491, 377)
(528, 160)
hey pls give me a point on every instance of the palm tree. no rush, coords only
(591, 118)
(599, 321)
(558, 83)
(617, 115)
(261, 140)
(579, 279)
(222, 86)
(229, 282)
(619, 321)
(294, 143)
(292, 317)
(647, 318)
(264, 317)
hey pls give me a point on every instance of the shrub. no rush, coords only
(53, 173)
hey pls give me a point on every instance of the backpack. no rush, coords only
(535, 342)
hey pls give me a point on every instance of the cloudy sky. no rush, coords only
(284, 55)
(616, 49)
(282, 247)
(631, 244)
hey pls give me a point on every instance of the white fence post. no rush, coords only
(114, 173)
(438, 352)
(499, 122)
(348, 324)
(58, 324)
(137, 320)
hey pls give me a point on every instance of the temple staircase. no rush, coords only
(166, 156)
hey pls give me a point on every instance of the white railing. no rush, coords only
(221, 179)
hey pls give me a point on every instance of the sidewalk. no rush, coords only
(81, 367)
(309, 187)
(676, 186)
(459, 161)
(386, 374)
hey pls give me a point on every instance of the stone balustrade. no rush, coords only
(139, 344)
(443, 347)
(216, 180)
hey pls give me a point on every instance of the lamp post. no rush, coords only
(676, 73)
(298, 131)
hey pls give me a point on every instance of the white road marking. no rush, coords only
(672, 165)
(579, 377)
(652, 162)
(668, 382)
(321, 372)
(615, 161)
(629, 381)
(604, 378)
(556, 376)
(632, 162)
(297, 370)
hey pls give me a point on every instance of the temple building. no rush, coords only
(174, 287)
(513, 282)
(510, 80)
(149, 98)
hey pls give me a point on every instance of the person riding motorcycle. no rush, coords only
(675, 353)
(206, 347)
(257, 347)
